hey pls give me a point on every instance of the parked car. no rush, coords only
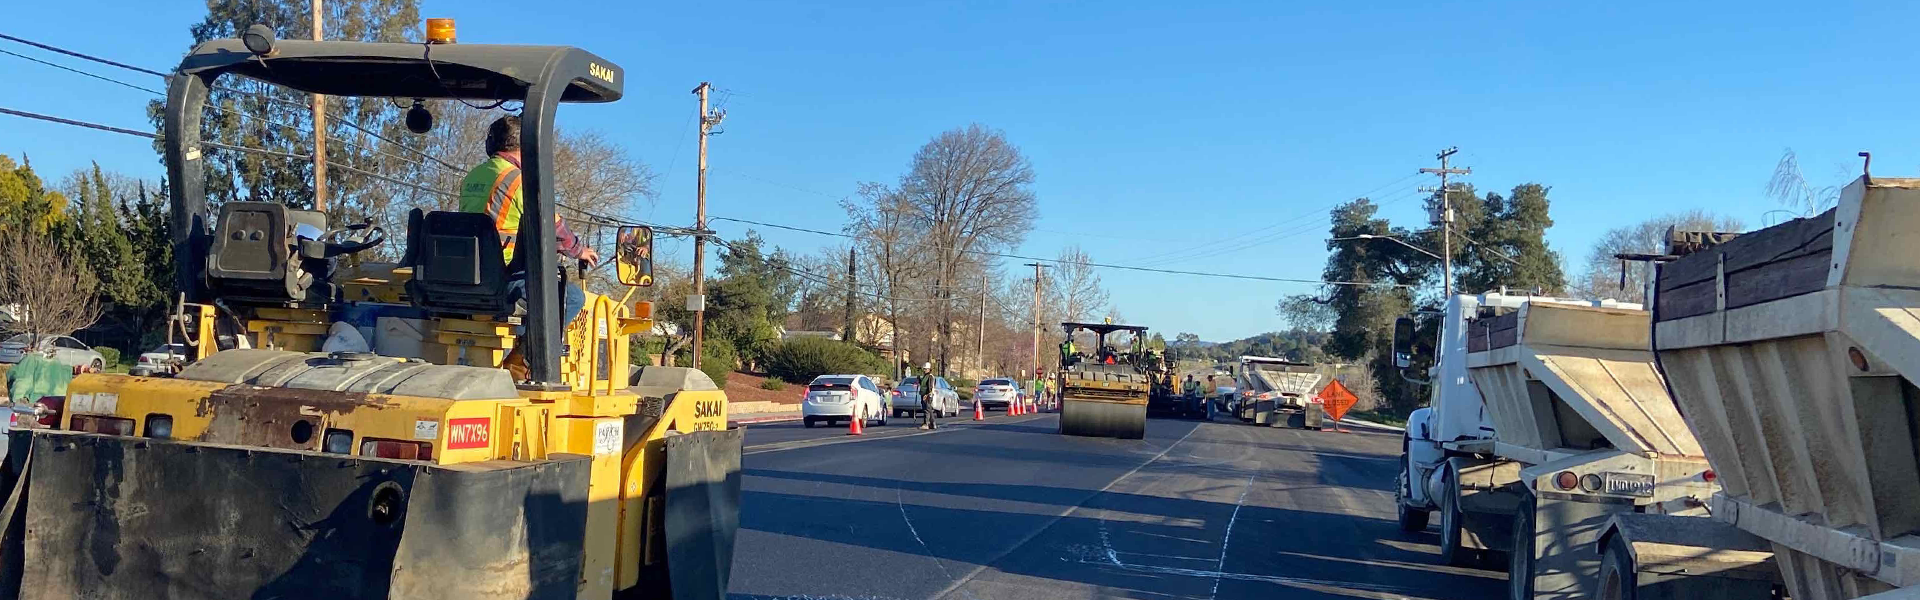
(164, 359)
(66, 351)
(997, 393)
(906, 398)
(841, 398)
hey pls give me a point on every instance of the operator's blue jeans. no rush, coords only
(572, 300)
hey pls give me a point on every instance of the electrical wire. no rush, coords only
(1090, 264)
(589, 215)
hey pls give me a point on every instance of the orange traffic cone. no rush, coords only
(1014, 408)
(854, 425)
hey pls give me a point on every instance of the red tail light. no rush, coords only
(1708, 475)
(396, 449)
(106, 425)
(45, 413)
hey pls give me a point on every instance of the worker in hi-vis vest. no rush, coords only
(493, 188)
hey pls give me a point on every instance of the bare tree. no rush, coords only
(1604, 274)
(1074, 285)
(892, 257)
(1789, 186)
(44, 288)
(969, 191)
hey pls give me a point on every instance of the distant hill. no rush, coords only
(1299, 344)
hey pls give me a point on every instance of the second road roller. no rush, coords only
(1104, 389)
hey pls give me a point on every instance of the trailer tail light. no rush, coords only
(380, 448)
(106, 425)
(159, 426)
(337, 441)
(1591, 483)
(1708, 475)
(42, 414)
(1566, 481)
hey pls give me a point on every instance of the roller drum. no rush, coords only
(1103, 419)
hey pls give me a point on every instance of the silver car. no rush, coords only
(997, 393)
(906, 398)
(65, 350)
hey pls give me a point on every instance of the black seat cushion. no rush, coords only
(458, 266)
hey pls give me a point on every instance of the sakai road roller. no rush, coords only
(414, 464)
(1103, 392)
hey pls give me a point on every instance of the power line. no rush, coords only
(1090, 264)
(605, 220)
(81, 55)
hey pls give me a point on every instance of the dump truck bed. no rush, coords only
(1793, 351)
(1562, 378)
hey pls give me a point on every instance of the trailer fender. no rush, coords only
(1684, 557)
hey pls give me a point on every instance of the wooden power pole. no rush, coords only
(1037, 266)
(1443, 218)
(319, 125)
(698, 301)
(848, 334)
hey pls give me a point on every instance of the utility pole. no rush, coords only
(698, 302)
(1037, 266)
(319, 126)
(1444, 217)
(848, 334)
(980, 345)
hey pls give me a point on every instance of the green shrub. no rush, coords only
(717, 359)
(773, 384)
(802, 359)
(111, 355)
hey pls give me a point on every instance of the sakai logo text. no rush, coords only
(469, 433)
(709, 408)
(604, 73)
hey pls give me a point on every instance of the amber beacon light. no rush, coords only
(439, 31)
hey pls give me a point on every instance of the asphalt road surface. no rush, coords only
(1010, 510)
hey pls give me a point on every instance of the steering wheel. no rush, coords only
(354, 238)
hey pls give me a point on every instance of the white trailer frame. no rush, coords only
(1795, 352)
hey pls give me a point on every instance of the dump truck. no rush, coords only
(420, 463)
(1548, 418)
(1793, 352)
(1275, 391)
(1104, 392)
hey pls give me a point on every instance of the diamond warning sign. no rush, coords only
(1337, 399)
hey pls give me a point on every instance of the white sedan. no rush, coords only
(64, 350)
(842, 398)
(997, 393)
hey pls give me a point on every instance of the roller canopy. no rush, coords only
(472, 71)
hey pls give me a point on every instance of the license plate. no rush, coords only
(1628, 484)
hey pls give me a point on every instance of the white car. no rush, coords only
(997, 393)
(906, 398)
(66, 351)
(841, 398)
(164, 359)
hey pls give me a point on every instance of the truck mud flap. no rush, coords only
(702, 511)
(112, 518)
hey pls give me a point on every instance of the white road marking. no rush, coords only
(897, 501)
(1227, 538)
(1056, 518)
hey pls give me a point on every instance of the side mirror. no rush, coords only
(633, 256)
(1403, 342)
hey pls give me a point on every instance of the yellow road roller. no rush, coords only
(373, 433)
(1104, 389)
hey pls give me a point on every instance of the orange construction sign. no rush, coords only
(1337, 399)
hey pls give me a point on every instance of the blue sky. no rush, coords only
(1184, 125)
